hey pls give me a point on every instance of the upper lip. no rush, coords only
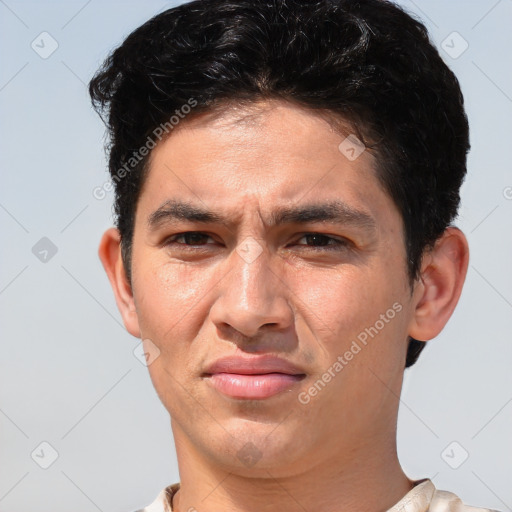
(253, 366)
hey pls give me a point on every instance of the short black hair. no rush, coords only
(367, 62)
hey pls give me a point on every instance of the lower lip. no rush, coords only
(253, 387)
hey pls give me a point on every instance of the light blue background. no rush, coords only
(68, 375)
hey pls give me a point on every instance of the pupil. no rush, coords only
(321, 240)
(194, 238)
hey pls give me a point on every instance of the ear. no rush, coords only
(439, 286)
(110, 255)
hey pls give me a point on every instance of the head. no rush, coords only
(257, 123)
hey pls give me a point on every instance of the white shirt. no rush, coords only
(423, 497)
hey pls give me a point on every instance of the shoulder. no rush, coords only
(163, 502)
(424, 497)
(445, 501)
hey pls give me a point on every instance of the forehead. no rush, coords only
(267, 154)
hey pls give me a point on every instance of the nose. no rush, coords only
(252, 297)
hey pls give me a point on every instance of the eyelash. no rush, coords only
(334, 243)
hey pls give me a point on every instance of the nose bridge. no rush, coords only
(252, 274)
(251, 295)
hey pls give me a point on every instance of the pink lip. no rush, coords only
(252, 378)
(253, 387)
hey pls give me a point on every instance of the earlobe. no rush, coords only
(440, 284)
(109, 252)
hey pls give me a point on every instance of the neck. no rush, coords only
(364, 478)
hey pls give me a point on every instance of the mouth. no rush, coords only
(254, 378)
(253, 386)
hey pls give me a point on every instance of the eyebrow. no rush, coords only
(335, 212)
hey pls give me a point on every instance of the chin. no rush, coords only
(253, 448)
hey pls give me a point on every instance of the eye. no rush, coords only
(321, 242)
(190, 238)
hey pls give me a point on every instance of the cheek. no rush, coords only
(339, 302)
(351, 310)
(168, 298)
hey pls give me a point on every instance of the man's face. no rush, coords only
(250, 282)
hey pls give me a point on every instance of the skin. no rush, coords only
(297, 300)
